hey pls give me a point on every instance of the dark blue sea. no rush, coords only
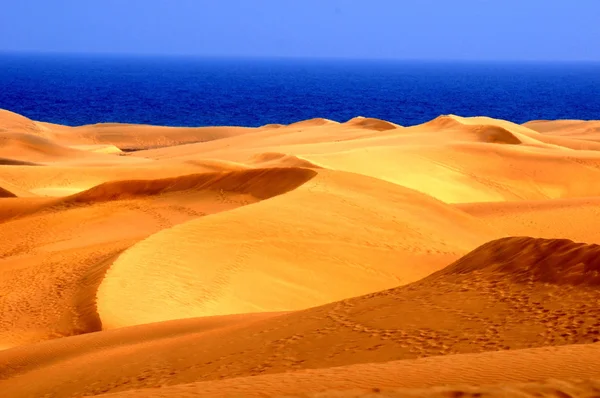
(180, 91)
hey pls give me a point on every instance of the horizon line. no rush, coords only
(290, 57)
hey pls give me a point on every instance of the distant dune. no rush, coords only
(315, 259)
(371, 123)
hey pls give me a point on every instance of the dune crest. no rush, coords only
(275, 159)
(371, 123)
(313, 122)
(525, 259)
(11, 122)
(260, 183)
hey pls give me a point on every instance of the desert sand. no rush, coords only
(359, 258)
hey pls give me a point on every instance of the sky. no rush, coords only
(532, 30)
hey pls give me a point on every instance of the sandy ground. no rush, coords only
(454, 258)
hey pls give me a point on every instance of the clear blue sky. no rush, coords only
(410, 29)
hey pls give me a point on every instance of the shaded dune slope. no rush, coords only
(6, 194)
(15, 162)
(448, 376)
(533, 260)
(260, 183)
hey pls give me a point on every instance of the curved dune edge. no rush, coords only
(215, 165)
(64, 248)
(276, 159)
(466, 371)
(261, 183)
(11, 122)
(318, 121)
(246, 260)
(371, 123)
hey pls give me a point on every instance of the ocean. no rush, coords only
(186, 91)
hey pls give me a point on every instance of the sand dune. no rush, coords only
(12, 122)
(446, 376)
(371, 123)
(558, 218)
(471, 306)
(24, 147)
(312, 259)
(274, 159)
(313, 122)
(576, 129)
(264, 272)
(55, 251)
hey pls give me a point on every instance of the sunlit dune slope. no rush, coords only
(288, 139)
(576, 129)
(33, 148)
(446, 376)
(64, 180)
(313, 122)
(454, 159)
(15, 190)
(284, 253)
(503, 295)
(574, 218)
(98, 148)
(11, 122)
(136, 137)
(120, 135)
(54, 252)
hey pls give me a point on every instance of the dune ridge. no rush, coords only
(526, 259)
(260, 183)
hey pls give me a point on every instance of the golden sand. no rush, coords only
(316, 259)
